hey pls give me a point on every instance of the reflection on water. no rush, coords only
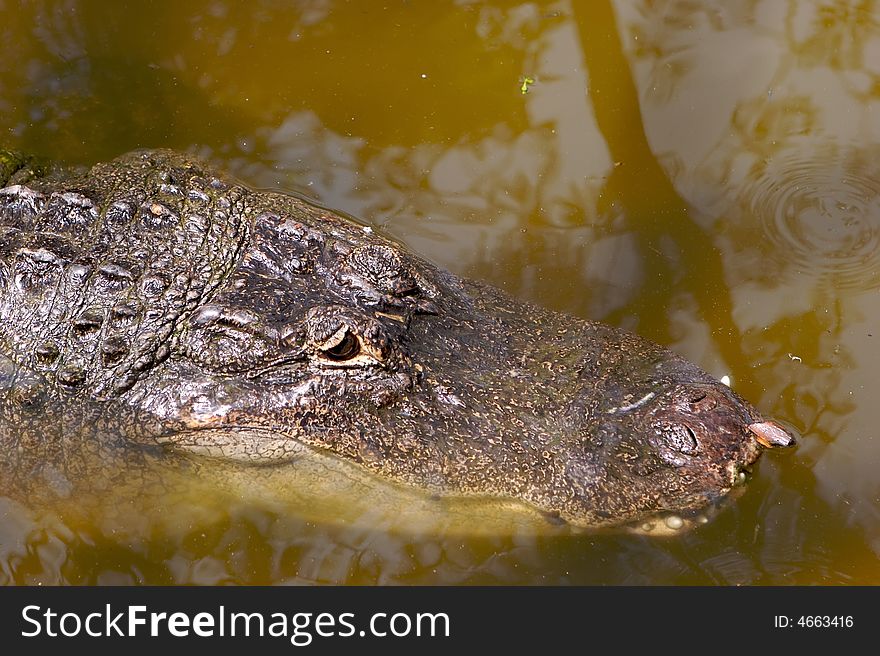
(775, 148)
(703, 172)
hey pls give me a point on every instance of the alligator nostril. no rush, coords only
(702, 402)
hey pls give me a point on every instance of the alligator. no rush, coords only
(156, 305)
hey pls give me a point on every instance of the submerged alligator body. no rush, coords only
(152, 304)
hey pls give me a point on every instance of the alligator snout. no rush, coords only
(663, 437)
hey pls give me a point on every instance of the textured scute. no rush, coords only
(19, 205)
(106, 265)
(150, 305)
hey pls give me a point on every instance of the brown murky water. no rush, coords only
(704, 173)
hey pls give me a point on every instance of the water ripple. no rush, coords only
(821, 213)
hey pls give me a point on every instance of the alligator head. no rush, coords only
(255, 326)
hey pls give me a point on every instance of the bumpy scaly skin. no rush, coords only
(151, 304)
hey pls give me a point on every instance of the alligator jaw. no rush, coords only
(256, 446)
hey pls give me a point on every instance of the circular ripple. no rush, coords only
(821, 213)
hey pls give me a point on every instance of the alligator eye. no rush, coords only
(346, 349)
